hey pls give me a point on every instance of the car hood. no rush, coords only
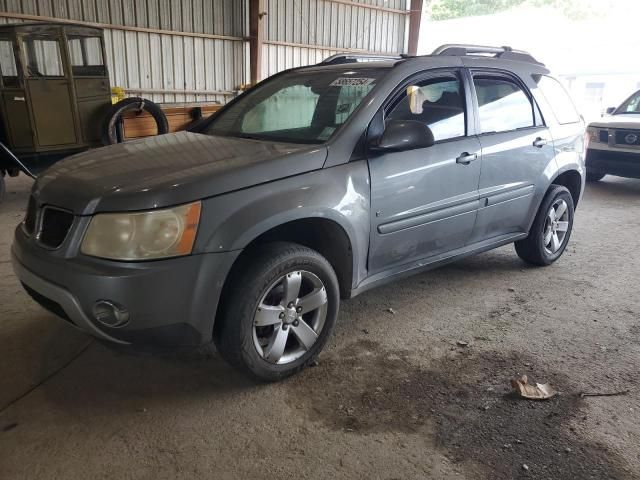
(627, 120)
(169, 170)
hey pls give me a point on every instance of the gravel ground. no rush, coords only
(394, 395)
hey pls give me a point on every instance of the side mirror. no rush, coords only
(401, 135)
(610, 110)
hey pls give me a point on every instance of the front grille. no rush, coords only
(30, 217)
(55, 226)
(604, 136)
(47, 303)
(628, 137)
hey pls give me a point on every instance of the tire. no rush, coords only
(115, 112)
(2, 186)
(594, 177)
(259, 282)
(534, 249)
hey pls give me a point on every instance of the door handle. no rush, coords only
(539, 142)
(466, 158)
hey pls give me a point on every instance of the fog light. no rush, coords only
(110, 314)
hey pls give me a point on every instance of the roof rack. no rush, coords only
(505, 53)
(339, 58)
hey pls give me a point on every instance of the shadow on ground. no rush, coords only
(463, 402)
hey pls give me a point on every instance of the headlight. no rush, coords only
(163, 233)
(594, 134)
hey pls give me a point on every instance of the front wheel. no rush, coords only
(280, 311)
(551, 229)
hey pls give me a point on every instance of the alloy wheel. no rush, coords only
(290, 317)
(556, 227)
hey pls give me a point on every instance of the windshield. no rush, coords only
(298, 107)
(631, 105)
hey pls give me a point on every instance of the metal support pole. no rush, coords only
(415, 16)
(256, 37)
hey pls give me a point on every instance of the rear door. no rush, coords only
(91, 82)
(424, 201)
(516, 149)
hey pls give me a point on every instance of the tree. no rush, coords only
(448, 9)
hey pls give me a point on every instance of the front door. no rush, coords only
(16, 125)
(49, 91)
(516, 150)
(424, 201)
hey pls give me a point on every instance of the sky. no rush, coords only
(599, 49)
(607, 41)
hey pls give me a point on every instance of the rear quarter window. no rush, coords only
(561, 104)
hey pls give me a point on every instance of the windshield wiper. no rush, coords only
(248, 136)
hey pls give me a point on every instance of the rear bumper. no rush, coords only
(170, 302)
(622, 164)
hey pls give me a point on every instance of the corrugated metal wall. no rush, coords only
(198, 49)
(301, 32)
(161, 62)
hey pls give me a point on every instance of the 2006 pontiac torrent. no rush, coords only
(317, 184)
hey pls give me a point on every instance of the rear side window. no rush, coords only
(86, 56)
(561, 104)
(503, 105)
(438, 102)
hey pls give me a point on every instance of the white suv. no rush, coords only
(614, 142)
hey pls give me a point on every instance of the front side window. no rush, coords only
(560, 101)
(43, 57)
(503, 106)
(86, 56)
(631, 105)
(437, 102)
(8, 67)
(298, 107)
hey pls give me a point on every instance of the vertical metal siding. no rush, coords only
(301, 32)
(297, 32)
(155, 61)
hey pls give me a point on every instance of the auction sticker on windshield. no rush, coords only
(352, 82)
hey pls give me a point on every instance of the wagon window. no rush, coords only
(8, 67)
(43, 58)
(86, 56)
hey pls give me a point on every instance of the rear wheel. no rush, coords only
(551, 229)
(280, 311)
(594, 177)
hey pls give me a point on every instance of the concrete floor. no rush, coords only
(394, 396)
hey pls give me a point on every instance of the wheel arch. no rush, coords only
(573, 181)
(324, 235)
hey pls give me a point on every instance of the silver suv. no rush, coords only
(614, 142)
(318, 184)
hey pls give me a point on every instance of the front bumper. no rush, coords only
(170, 302)
(622, 164)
